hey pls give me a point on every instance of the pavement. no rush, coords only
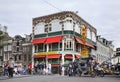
(15, 76)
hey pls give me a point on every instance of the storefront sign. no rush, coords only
(84, 53)
(48, 53)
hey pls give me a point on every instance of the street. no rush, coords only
(58, 78)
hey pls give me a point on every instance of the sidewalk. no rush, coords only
(15, 76)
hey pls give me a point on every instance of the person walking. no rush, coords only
(30, 68)
(6, 68)
(11, 67)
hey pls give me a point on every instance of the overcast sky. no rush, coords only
(104, 15)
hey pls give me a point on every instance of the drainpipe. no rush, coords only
(63, 58)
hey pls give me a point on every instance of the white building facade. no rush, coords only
(57, 38)
(104, 50)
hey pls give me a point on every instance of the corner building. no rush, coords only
(57, 39)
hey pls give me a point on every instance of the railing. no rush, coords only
(55, 62)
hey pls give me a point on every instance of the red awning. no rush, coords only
(79, 40)
(53, 39)
(39, 56)
(88, 44)
(40, 40)
(77, 56)
(68, 56)
(56, 65)
(53, 56)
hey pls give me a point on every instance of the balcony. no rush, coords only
(55, 62)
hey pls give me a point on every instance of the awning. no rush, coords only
(40, 40)
(68, 56)
(53, 56)
(79, 40)
(56, 65)
(53, 39)
(39, 56)
(88, 44)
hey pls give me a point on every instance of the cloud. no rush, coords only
(104, 15)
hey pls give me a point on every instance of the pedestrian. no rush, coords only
(30, 68)
(11, 67)
(49, 68)
(6, 68)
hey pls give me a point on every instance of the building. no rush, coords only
(57, 38)
(3, 37)
(117, 56)
(20, 49)
(104, 50)
(7, 50)
(27, 51)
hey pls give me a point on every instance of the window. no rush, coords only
(50, 29)
(77, 28)
(19, 57)
(29, 57)
(17, 49)
(25, 57)
(60, 48)
(17, 43)
(93, 37)
(56, 25)
(40, 47)
(46, 29)
(15, 57)
(88, 34)
(39, 28)
(68, 44)
(55, 46)
(68, 25)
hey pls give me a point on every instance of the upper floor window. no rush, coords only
(93, 37)
(17, 43)
(19, 57)
(17, 49)
(68, 24)
(39, 28)
(5, 48)
(77, 28)
(56, 25)
(88, 34)
(47, 28)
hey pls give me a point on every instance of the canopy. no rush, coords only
(53, 56)
(40, 40)
(53, 39)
